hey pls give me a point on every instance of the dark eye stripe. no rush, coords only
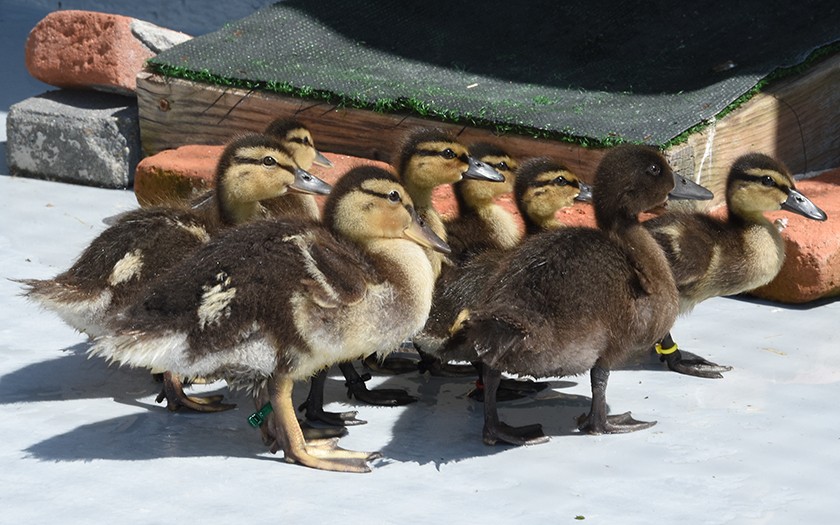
(758, 178)
(541, 183)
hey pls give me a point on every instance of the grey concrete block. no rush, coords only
(84, 137)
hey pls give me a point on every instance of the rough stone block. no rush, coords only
(87, 49)
(812, 263)
(74, 136)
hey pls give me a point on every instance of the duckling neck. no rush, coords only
(502, 225)
(420, 195)
(648, 259)
(403, 263)
(233, 214)
(537, 224)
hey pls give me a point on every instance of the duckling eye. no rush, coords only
(448, 153)
(502, 166)
(767, 180)
(306, 141)
(394, 196)
(654, 170)
(560, 181)
(269, 161)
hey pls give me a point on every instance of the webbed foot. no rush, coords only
(392, 364)
(502, 394)
(693, 366)
(355, 383)
(327, 455)
(438, 368)
(524, 435)
(176, 398)
(617, 424)
(335, 419)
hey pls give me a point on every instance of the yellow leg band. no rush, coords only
(665, 351)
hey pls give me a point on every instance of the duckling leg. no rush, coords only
(694, 366)
(176, 398)
(597, 421)
(509, 389)
(494, 430)
(389, 397)
(313, 407)
(321, 455)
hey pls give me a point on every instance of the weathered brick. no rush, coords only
(87, 49)
(74, 136)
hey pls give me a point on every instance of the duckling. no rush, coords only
(297, 139)
(427, 158)
(145, 243)
(542, 187)
(274, 302)
(555, 313)
(481, 223)
(713, 256)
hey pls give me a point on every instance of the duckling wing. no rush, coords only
(336, 274)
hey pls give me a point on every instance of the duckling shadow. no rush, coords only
(445, 425)
(154, 434)
(74, 376)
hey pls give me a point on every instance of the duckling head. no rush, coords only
(474, 193)
(298, 140)
(257, 167)
(544, 186)
(758, 183)
(430, 157)
(368, 204)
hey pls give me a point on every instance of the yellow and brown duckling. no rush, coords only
(544, 186)
(274, 302)
(146, 243)
(608, 310)
(713, 256)
(426, 159)
(481, 223)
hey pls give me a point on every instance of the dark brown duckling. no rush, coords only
(608, 310)
(146, 243)
(274, 302)
(427, 158)
(713, 256)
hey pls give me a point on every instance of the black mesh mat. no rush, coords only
(638, 71)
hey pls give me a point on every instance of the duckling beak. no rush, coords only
(482, 171)
(306, 182)
(687, 190)
(585, 194)
(321, 160)
(802, 205)
(420, 233)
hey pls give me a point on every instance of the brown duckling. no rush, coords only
(145, 243)
(274, 302)
(427, 158)
(543, 186)
(713, 256)
(608, 310)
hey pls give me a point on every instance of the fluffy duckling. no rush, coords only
(608, 310)
(297, 139)
(145, 243)
(713, 256)
(544, 186)
(275, 302)
(481, 223)
(427, 158)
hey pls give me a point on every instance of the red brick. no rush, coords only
(87, 49)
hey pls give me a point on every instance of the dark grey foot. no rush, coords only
(438, 368)
(392, 364)
(312, 432)
(502, 394)
(387, 397)
(526, 386)
(678, 361)
(334, 419)
(617, 424)
(176, 399)
(525, 435)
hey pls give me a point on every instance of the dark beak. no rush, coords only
(585, 194)
(482, 171)
(306, 182)
(687, 190)
(420, 233)
(321, 160)
(802, 205)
